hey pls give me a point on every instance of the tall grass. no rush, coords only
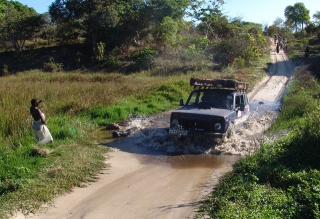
(301, 100)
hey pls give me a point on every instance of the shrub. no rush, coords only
(168, 31)
(99, 51)
(111, 63)
(238, 63)
(51, 66)
(192, 54)
(243, 46)
(312, 126)
(203, 42)
(144, 58)
(5, 70)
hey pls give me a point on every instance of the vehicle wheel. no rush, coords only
(229, 133)
(231, 130)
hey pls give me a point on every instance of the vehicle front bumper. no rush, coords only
(184, 132)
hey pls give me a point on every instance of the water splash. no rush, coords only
(151, 133)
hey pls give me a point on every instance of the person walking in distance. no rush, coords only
(306, 51)
(42, 134)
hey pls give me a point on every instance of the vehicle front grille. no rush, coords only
(200, 123)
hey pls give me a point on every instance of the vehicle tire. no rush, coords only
(231, 130)
(229, 133)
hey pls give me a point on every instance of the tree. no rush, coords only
(18, 23)
(48, 29)
(297, 15)
(222, 28)
(68, 18)
(168, 30)
(117, 20)
(316, 16)
(140, 18)
(279, 22)
(311, 29)
(99, 15)
(207, 15)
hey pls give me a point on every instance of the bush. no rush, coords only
(111, 63)
(99, 51)
(203, 42)
(144, 58)
(51, 66)
(243, 47)
(5, 71)
(192, 54)
(238, 63)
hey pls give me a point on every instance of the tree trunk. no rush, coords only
(4, 44)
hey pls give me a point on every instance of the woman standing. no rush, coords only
(42, 134)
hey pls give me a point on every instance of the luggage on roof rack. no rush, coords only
(219, 84)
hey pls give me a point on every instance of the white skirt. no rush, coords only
(42, 134)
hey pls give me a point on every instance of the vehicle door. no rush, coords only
(242, 98)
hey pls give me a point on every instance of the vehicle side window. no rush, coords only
(241, 99)
(195, 98)
(246, 99)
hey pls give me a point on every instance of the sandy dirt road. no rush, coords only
(140, 185)
(144, 183)
(271, 88)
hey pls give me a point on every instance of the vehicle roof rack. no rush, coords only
(230, 84)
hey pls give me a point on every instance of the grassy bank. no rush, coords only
(282, 179)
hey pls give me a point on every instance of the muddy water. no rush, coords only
(152, 144)
(150, 155)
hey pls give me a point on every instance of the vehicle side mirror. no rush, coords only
(242, 106)
(181, 102)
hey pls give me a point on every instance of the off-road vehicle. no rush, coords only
(214, 107)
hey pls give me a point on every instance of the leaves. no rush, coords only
(18, 23)
(297, 15)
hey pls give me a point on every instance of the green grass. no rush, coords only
(282, 180)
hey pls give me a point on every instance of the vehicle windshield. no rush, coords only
(211, 99)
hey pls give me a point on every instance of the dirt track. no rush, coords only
(142, 183)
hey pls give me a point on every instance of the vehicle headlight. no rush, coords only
(175, 123)
(217, 126)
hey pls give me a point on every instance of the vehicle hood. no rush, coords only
(200, 111)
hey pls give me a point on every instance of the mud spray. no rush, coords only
(151, 133)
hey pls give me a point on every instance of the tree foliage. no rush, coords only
(18, 23)
(168, 30)
(316, 16)
(297, 15)
(128, 26)
(144, 58)
(120, 20)
(207, 15)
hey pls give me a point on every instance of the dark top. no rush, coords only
(35, 112)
